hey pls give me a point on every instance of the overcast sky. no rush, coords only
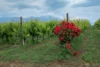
(89, 9)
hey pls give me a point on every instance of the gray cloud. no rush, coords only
(55, 4)
(21, 6)
(26, 8)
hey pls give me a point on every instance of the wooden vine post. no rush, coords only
(22, 38)
(67, 17)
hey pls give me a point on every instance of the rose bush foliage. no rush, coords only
(66, 32)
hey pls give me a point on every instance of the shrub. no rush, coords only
(66, 32)
(97, 24)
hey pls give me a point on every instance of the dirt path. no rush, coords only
(51, 64)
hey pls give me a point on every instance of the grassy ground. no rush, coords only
(41, 52)
(46, 53)
(92, 48)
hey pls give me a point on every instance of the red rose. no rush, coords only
(75, 53)
(57, 30)
(61, 38)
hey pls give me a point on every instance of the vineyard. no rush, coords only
(33, 30)
(34, 42)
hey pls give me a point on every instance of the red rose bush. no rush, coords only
(66, 32)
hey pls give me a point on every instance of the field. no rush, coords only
(43, 50)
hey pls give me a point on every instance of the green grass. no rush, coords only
(92, 48)
(42, 52)
(78, 42)
(47, 50)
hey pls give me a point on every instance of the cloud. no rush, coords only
(86, 9)
(55, 4)
(88, 3)
(24, 4)
(3, 6)
(17, 7)
(13, 0)
(21, 6)
(75, 2)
